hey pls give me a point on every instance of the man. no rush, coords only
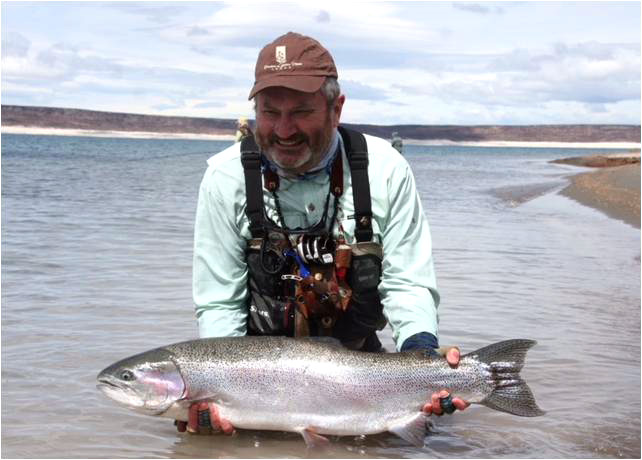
(303, 233)
(243, 129)
(397, 142)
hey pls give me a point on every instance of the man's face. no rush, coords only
(294, 129)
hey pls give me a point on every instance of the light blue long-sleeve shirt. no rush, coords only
(408, 286)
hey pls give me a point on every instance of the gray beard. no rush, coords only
(328, 155)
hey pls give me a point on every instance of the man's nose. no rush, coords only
(285, 127)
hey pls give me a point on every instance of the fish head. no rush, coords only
(149, 383)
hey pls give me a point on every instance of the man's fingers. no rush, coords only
(216, 422)
(227, 427)
(193, 425)
(436, 406)
(452, 356)
(451, 353)
(214, 418)
(219, 423)
(192, 419)
(460, 404)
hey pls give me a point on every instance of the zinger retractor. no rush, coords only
(317, 249)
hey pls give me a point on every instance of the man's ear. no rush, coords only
(336, 110)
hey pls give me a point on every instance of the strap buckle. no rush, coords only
(251, 160)
(359, 160)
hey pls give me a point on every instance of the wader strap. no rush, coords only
(271, 180)
(357, 152)
(251, 160)
(337, 176)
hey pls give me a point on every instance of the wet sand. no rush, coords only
(113, 134)
(613, 189)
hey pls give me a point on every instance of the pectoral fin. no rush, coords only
(314, 440)
(412, 429)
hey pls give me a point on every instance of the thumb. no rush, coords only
(451, 353)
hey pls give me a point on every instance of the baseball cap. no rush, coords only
(293, 61)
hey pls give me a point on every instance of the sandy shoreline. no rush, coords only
(613, 190)
(517, 144)
(118, 134)
(230, 137)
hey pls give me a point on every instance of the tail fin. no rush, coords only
(511, 394)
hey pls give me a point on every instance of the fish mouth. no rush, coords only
(127, 397)
(106, 384)
(111, 389)
(122, 395)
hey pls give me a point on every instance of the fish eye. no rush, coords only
(127, 375)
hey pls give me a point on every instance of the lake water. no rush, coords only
(96, 266)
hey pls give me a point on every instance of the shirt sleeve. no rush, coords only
(408, 287)
(219, 277)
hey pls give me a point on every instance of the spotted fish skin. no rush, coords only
(307, 385)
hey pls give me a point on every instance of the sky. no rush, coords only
(454, 62)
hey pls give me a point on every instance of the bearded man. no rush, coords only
(309, 228)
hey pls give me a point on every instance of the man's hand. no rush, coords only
(204, 419)
(434, 406)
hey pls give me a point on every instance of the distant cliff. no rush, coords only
(51, 117)
(521, 133)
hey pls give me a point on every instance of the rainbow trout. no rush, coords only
(314, 387)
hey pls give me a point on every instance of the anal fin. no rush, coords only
(314, 440)
(412, 429)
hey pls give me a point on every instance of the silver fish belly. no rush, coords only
(311, 386)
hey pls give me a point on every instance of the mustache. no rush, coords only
(299, 137)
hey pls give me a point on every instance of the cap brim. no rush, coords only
(303, 83)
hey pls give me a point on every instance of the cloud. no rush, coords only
(323, 16)
(159, 13)
(209, 105)
(561, 83)
(587, 73)
(478, 8)
(165, 107)
(338, 31)
(357, 90)
(197, 31)
(67, 71)
(64, 62)
(15, 45)
(412, 62)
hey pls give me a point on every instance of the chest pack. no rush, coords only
(304, 281)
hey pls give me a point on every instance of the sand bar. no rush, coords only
(117, 134)
(614, 190)
(518, 144)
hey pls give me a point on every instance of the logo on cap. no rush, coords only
(280, 54)
(282, 63)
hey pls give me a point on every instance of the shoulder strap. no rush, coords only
(251, 160)
(357, 152)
